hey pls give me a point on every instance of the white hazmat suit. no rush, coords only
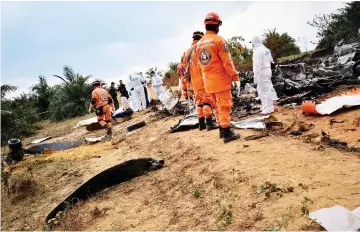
(157, 82)
(262, 75)
(138, 99)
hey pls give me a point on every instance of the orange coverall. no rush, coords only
(218, 72)
(184, 83)
(202, 99)
(102, 97)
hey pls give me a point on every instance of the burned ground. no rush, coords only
(205, 184)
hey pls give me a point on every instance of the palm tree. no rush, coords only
(43, 92)
(72, 98)
(173, 66)
(155, 69)
(5, 89)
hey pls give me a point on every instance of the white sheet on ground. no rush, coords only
(250, 123)
(337, 218)
(86, 122)
(41, 140)
(335, 103)
(94, 140)
(120, 110)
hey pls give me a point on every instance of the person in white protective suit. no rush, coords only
(157, 84)
(146, 89)
(262, 60)
(137, 92)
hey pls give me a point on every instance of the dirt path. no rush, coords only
(206, 184)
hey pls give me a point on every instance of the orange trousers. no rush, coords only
(203, 104)
(222, 102)
(104, 114)
(185, 87)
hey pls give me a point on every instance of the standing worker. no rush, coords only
(103, 104)
(262, 75)
(184, 82)
(157, 82)
(137, 89)
(124, 95)
(113, 94)
(218, 72)
(203, 100)
(146, 89)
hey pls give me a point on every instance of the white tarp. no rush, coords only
(86, 122)
(335, 103)
(337, 218)
(168, 99)
(94, 140)
(250, 123)
(41, 140)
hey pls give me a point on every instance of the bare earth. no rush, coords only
(205, 185)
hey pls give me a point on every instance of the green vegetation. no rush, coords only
(343, 25)
(280, 45)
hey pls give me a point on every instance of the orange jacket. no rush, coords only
(197, 82)
(217, 68)
(101, 97)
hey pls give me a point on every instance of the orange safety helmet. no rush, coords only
(213, 18)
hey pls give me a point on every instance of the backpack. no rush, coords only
(187, 67)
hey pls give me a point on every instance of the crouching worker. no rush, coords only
(103, 104)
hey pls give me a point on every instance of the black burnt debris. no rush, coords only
(305, 79)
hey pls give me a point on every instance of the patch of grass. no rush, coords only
(225, 216)
(272, 228)
(69, 220)
(196, 192)
(304, 206)
(294, 57)
(258, 216)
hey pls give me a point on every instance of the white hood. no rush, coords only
(256, 41)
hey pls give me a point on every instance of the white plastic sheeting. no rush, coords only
(94, 140)
(337, 218)
(168, 99)
(250, 123)
(335, 103)
(86, 122)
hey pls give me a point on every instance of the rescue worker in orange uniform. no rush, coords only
(184, 83)
(202, 99)
(218, 72)
(103, 104)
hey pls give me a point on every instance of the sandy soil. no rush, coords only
(205, 185)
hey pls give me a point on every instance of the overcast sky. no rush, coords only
(111, 39)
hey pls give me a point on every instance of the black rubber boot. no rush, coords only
(109, 131)
(221, 133)
(210, 125)
(202, 125)
(230, 135)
